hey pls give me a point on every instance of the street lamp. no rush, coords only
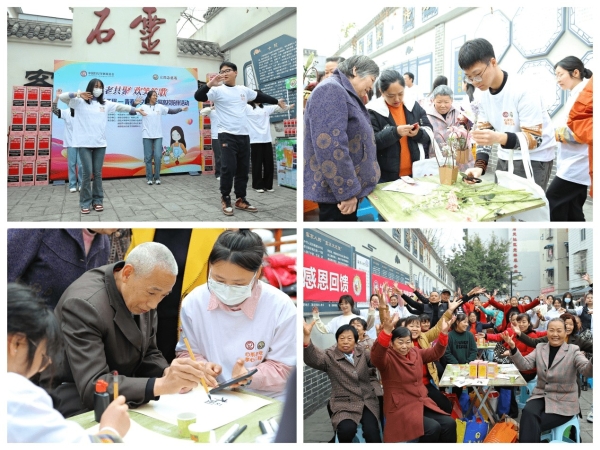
(518, 277)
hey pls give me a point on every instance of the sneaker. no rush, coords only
(73, 190)
(260, 191)
(157, 181)
(149, 182)
(218, 178)
(590, 417)
(242, 203)
(226, 205)
(270, 190)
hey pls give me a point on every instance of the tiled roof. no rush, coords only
(211, 12)
(30, 29)
(199, 48)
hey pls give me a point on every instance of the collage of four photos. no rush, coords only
(248, 322)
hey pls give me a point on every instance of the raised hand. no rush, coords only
(446, 325)
(185, 108)
(86, 95)
(412, 286)
(315, 310)
(495, 292)
(307, 328)
(508, 339)
(516, 329)
(454, 304)
(389, 322)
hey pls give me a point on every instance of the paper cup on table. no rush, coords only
(199, 432)
(184, 420)
(513, 378)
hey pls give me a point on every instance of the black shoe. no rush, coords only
(584, 387)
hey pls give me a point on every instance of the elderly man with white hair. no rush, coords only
(108, 320)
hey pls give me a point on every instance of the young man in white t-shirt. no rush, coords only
(508, 105)
(230, 102)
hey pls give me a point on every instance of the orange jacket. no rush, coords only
(581, 122)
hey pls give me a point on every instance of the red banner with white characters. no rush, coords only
(377, 282)
(326, 281)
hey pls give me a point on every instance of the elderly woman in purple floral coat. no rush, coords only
(340, 160)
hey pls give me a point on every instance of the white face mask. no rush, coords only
(230, 295)
(568, 300)
(97, 92)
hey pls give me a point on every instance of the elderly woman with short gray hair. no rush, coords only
(442, 114)
(396, 124)
(340, 164)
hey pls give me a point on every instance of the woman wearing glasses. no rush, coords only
(33, 341)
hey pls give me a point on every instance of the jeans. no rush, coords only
(235, 163)
(73, 164)
(149, 153)
(92, 160)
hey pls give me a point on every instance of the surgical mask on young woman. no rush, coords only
(567, 299)
(230, 295)
(97, 92)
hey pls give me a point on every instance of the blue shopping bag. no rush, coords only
(476, 429)
(464, 401)
(504, 401)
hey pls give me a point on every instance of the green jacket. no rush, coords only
(462, 348)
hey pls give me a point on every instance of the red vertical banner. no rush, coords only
(327, 281)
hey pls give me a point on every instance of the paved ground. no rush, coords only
(179, 198)
(317, 427)
(313, 216)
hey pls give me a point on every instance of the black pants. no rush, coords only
(439, 398)
(235, 163)
(534, 420)
(438, 427)
(329, 212)
(566, 200)
(262, 165)
(346, 429)
(217, 152)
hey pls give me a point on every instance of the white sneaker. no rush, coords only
(218, 178)
(157, 181)
(73, 190)
(590, 417)
(270, 190)
(260, 191)
(149, 182)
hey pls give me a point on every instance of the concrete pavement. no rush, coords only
(317, 427)
(181, 197)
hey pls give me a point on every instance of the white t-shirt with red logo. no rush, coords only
(230, 107)
(224, 336)
(519, 105)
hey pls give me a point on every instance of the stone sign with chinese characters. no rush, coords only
(273, 62)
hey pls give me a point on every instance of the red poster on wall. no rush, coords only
(377, 282)
(326, 281)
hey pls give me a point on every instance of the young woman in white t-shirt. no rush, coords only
(236, 323)
(349, 312)
(261, 146)
(568, 191)
(152, 133)
(89, 135)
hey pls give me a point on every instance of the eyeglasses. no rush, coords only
(225, 71)
(478, 78)
(46, 360)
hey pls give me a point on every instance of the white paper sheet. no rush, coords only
(418, 188)
(139, 434)
(212, 414)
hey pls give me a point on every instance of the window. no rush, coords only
(407, 239)
(550, 276)
(582, 234)
(567, 273)
(420, 251)
(581, 262)
(549, 234)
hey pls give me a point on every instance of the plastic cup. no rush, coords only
(199, 432)
(184, 420)
(513, 378)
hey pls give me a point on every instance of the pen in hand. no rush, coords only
(202, 380)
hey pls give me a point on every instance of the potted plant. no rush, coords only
(459, 140)
(448, 169)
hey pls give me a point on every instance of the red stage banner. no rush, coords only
(377, 282)
(326, 281)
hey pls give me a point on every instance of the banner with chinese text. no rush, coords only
(326, 281)
(377, 282)
(123, 83)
